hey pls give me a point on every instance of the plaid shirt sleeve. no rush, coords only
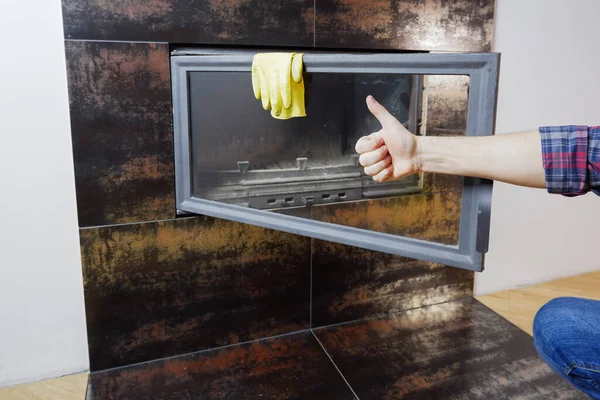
(571, 157)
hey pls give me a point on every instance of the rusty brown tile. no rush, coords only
(160, 289)
(435, 183)
(287, 22)
(291, 367)
(423, 25)
(433, 217)
(447, 104)
(121, 124)
(351, 283)
(458, 350)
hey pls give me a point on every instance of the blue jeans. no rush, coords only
(566, 332)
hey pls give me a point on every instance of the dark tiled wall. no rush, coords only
(279, 23)
(177, 286)
(156, 286)
(121, 124)
(458, 25)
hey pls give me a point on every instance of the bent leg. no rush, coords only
(566, 332)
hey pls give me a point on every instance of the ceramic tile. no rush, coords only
(456, 350)
(432, 217)
(351, 283)
(287, 22)
(429, 25)
(161, 289)
(121, 125)
(291, 367)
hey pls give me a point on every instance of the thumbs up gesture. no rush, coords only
(390, 153)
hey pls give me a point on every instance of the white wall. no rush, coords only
(42, 324)
(549, 76)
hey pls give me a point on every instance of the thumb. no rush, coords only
(385, 118)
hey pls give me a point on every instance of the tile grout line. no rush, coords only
(114, 225)
(388, 314)
(152, 221)
(335, 365)
(113, 41)
(198, 352)
(315, 23)
(310, 290)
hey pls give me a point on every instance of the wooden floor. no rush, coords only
(518, 306)
(70, 387)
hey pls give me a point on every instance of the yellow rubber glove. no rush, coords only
(277, 82)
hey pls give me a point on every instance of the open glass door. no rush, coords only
(234, 161)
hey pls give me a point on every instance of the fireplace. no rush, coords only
(243, 156)
(235, 161)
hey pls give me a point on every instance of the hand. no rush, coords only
(391, 153)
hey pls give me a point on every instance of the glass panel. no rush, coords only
(307, 167)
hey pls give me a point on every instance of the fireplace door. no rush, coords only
(235, 161)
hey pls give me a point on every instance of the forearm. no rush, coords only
(512, 158)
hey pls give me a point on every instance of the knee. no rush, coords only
(551, 312)
(549, 323)
(564, 316)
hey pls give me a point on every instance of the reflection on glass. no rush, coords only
(308, 167)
